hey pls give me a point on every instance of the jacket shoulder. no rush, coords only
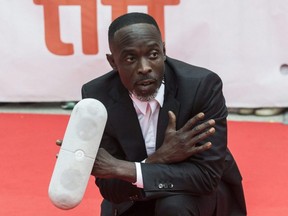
(100, 87)
(186, 70)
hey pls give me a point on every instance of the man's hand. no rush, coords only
(180, 144)
(107, 166)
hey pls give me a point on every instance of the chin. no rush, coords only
(145, 97)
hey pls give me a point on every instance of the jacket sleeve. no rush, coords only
(201, 173)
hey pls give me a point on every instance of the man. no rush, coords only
(175, 161)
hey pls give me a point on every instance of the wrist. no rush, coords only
(126, 171)
(155, 158)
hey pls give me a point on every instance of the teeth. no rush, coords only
(145, 82)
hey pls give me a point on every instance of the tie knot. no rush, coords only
(152, 105)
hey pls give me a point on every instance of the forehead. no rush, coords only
(133, 35)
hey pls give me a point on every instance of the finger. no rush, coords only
(203, 127)
(198, 138)
(59, 142)
(201, 148)
(191, 122)
(172, 121)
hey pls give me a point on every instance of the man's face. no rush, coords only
(138, 54)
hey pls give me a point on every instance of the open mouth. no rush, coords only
(146, 82)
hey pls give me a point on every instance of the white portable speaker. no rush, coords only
(77, 153)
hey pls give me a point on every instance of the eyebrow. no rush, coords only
(133, 49)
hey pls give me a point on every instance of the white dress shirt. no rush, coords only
(148, 112)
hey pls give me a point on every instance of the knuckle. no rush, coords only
(197, 128)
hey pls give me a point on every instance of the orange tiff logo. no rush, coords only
(89, 20)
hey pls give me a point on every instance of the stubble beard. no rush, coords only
(146, 98)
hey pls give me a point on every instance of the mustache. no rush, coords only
(146, 77)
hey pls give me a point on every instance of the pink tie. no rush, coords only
(149, 131)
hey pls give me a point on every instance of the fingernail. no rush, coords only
(211, 121)
(201, 115)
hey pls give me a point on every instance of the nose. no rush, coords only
(144, 66)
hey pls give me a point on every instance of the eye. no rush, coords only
(130, 59)
(154, 54)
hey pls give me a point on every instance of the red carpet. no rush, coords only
(28, 156)
(261, 152)
(27, 161)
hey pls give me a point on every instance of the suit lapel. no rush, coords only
(170, 104)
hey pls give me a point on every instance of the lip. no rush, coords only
(145, 86)
(145, 82)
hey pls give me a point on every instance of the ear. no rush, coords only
(111, 61)
(164, 50)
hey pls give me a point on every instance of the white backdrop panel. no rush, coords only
(244, 41)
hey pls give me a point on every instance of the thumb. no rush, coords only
(59, 142)
(172, 121)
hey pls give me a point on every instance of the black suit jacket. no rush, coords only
(188, 91)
